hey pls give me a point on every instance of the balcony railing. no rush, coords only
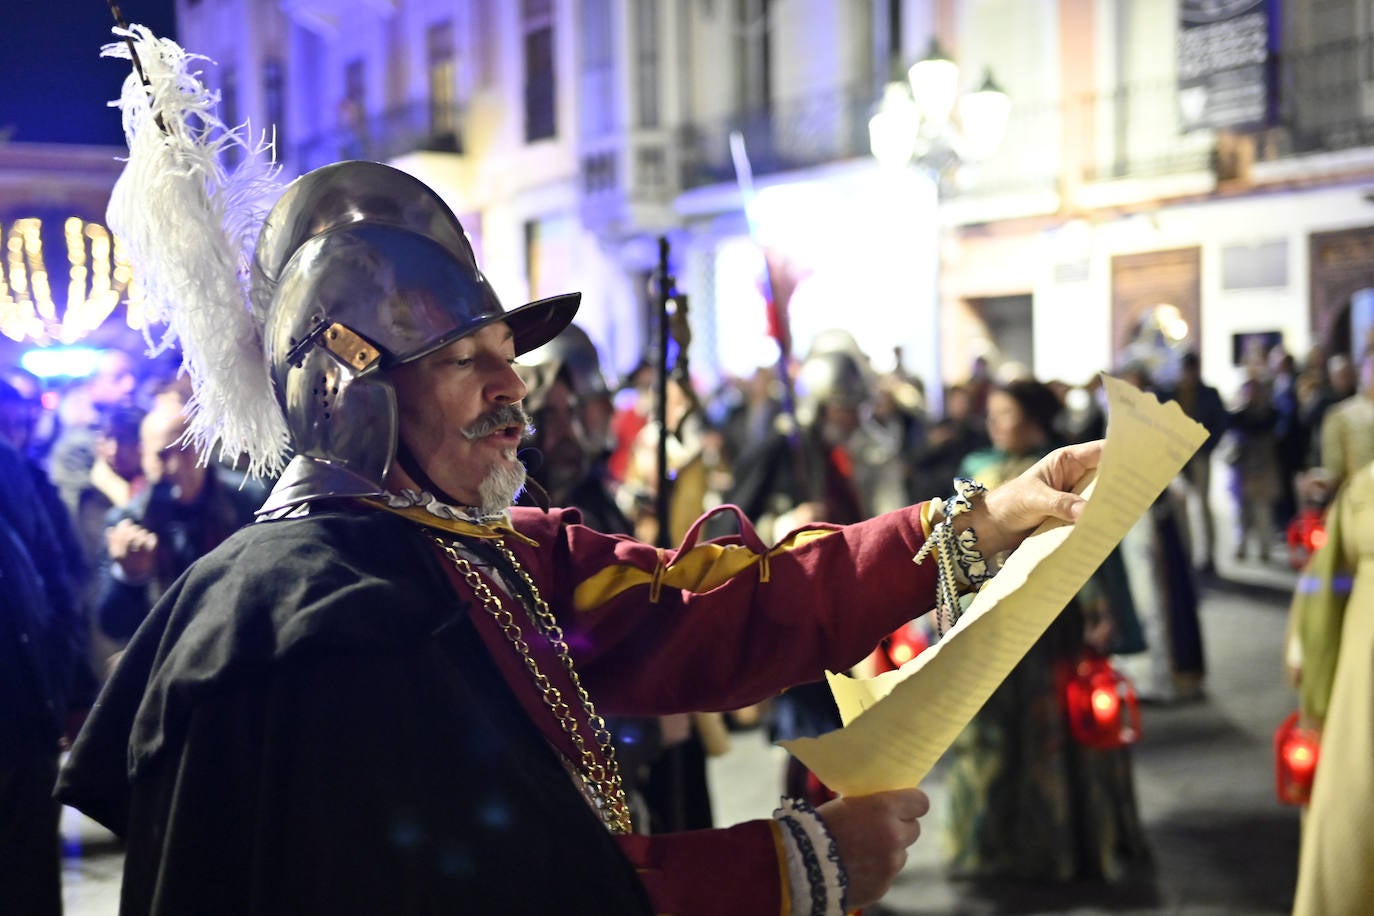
(1323, 101)
(1134, 131)
(1130, 132)
(794, 134)
(833, 126)
(1326, 98)
(413, 127)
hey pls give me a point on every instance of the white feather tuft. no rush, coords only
(190, 226)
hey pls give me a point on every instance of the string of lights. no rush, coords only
(98, 278)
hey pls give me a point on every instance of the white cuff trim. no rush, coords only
(814, 871)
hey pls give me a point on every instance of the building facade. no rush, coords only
(1174, 174)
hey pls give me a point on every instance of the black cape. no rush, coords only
(309, 723)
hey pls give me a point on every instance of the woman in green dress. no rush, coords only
(1331, 659)
(1025, 799)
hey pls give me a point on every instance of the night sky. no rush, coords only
(57, 82)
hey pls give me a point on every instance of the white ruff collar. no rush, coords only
(408, 498)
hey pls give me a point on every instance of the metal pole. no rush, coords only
(664, 291)
(935, 398)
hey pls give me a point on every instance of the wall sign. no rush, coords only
(1225, 62)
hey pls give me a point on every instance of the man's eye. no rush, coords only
(461, 361)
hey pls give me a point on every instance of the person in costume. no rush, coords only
(1347, 428)
(387, 695)
(1203, 403)
(1026, 801)
(1330, 656)
(1166, 659)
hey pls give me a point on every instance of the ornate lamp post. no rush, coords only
(924, 121)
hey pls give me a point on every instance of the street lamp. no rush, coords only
(922, 120)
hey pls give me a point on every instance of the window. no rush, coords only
(229, 111)
(646, 65)
(532, 255)
(752, 63)
(274, 98)
(484, 42)
(355, 83)
(353, 111)
(442, 72)
(598, 70)
(396, 59)
(540, 87)
(890, 59)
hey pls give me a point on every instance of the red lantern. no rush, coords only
(901, 646)
(1306, 533)
(1101, 702)
(1296, 750)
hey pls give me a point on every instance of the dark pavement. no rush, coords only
(1204, 777)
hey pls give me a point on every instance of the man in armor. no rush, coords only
(387, 695)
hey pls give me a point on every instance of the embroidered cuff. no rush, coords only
(932, 513)
(817, 878)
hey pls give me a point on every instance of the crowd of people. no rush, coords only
(129, 510)
(107, 509)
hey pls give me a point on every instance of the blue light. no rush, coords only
(61, 362)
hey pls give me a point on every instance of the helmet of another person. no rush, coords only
(574, 355)
(834, 340)
(834, 377)
(360, 268)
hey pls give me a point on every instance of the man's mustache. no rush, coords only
(500, 418)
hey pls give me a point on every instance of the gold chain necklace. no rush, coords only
(602, 782)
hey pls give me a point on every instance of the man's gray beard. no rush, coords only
(501, 486)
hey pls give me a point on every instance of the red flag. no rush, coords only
(783, 275)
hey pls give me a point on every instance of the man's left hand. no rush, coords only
(1004, 516)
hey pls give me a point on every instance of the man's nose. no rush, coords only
(507, 387)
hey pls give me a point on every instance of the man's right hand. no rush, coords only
(133, 549)
(872, 833)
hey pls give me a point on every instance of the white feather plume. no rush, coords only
(190, 226)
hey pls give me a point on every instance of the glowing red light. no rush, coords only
(1317, 538)
(1102, 705)
(1106, 705)
(902, 653)
(1300, 756)
(1296, 753)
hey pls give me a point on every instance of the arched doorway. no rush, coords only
(1156, 308)
(1341, 307)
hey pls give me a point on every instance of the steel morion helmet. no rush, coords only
(573, 354)
(835, 371)
(359, 268)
